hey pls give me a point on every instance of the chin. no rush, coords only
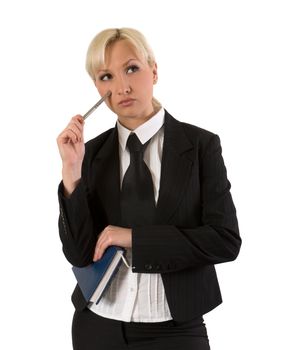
(128, 112)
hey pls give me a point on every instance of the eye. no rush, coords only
(105, 77)
(132, 69)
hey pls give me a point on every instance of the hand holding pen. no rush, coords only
(72, 149)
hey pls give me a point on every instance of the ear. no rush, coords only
(154, 71)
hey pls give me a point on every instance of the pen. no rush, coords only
(90, 111)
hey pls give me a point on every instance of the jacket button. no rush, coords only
(148, 267)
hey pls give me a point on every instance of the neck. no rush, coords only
(132, 123)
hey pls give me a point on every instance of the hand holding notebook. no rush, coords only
(94, 279)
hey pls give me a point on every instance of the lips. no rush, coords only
(126, 102)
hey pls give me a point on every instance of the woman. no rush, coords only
(156, 187)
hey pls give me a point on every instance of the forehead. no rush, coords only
(121, 51)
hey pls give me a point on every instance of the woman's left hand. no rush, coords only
(112, 235)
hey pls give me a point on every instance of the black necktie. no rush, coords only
(137, 196)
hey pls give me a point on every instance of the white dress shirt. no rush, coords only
(138, 297)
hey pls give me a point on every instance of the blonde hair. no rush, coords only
(97, 50)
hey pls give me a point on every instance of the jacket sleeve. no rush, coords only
(76, 227)
(167, 248)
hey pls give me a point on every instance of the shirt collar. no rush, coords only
(144, 132)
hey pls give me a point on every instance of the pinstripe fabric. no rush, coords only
(138, 297)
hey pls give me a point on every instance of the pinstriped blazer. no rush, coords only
(195, 228)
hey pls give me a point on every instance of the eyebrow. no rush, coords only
(124, 65)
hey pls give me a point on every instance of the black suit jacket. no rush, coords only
(196, 225)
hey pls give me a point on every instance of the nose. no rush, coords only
(127, 91)
(123, 86)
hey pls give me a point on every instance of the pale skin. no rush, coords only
(130, 79)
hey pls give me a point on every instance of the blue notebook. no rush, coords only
(94, 279)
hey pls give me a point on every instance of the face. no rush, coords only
(131, 80)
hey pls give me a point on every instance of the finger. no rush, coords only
(78, 121)
(75, 129)
(99, 251)
(79, 118)
(67, 136)
(101, 248)
(76, 125)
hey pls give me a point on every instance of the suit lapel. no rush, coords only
(107, 170)
(177, 160)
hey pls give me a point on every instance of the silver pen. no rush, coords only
(90, 111)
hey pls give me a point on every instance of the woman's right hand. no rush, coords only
(72, 150)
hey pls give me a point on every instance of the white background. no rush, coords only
(222, 66)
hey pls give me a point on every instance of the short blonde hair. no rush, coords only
(97, 49)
